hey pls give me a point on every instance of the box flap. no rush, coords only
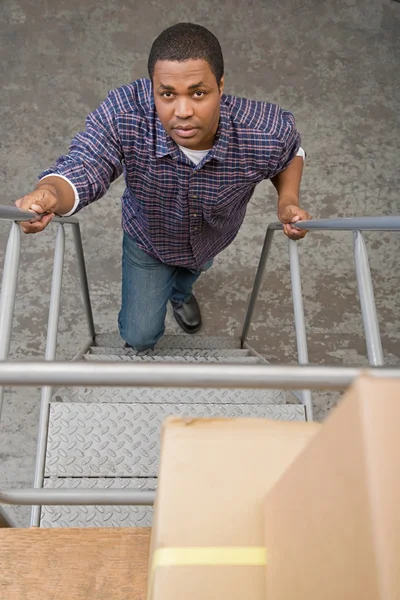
(347, 545)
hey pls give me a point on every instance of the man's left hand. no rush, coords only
(290, 214)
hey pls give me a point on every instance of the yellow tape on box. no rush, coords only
(242, 556)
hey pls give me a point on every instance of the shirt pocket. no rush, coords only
(229, 205)
(232, 197)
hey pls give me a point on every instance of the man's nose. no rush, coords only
(183, 108)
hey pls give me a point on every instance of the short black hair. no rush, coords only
(187, 41)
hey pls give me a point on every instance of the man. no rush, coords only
(191, 158)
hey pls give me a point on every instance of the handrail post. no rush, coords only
(76, 231)
(8, 291)
(257, 283)
(299, 321)
(367, 301)
(51, 344)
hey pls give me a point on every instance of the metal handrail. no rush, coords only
(54, 497)
(10, 277)
(299, 321)
(378, 223)
(12, 213)
(365, 287)
(50, 354)
(126, 374)
(8, 294)
(7, 304)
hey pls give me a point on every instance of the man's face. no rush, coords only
(187, 99)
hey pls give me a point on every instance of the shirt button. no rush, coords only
(195, 214)
(194, 196)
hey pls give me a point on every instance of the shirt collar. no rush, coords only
(221, 141)
(166, 145)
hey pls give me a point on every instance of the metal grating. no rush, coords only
(123, 440)
(98, 516)
(172, 395)
(228, 353)
(169, 359)
(188, 342)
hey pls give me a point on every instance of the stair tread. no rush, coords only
(202, 342)
(229, 352)
(171, 395)
(179, 359)
(123, 440)
(98, 516)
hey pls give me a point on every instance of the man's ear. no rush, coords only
(221, 86)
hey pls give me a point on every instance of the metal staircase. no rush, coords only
(98, 447)
(109, 437)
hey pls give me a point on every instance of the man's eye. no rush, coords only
(199, 94)
(167, 95)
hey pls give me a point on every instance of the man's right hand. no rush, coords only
(41, 201)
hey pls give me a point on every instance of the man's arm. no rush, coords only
(83, 175)
(287, 184)
(285, 171)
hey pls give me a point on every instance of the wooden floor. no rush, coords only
(73, 564)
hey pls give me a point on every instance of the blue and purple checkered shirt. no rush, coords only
(182, 214)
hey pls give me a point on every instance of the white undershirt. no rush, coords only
(196, 156)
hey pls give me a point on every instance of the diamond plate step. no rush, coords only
(98, 516)
(172, 395)
(122, 440)
(188, 342)
(172, 352)
(180, 359)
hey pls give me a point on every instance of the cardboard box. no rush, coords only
(214, 475)
(346, 485)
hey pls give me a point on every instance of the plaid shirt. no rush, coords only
(178, 212)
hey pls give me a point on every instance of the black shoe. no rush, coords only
(187, 315)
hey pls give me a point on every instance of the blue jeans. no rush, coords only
(147, 286)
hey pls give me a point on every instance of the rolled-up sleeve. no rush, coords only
(288, 143)
(95, 156)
